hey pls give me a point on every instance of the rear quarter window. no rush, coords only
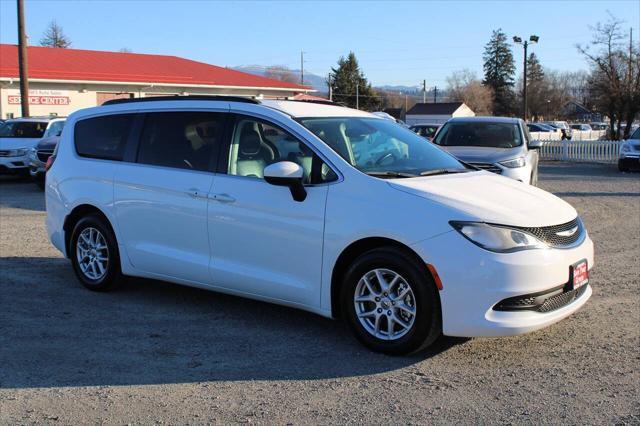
(103, 137)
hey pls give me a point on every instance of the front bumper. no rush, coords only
(14, 164)
(630, 159)
(36, 166)
(523, 174)
(476, 280)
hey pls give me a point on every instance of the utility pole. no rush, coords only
(330, 88)
(424, 91)
(358, 95)
(435, 94)
(533, 39)
(22, 59)
(301, 67)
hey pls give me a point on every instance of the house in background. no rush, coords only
(64, 80)
(437, 113)
(575, 111)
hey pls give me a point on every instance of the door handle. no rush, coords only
(195, 193)
(223, 198)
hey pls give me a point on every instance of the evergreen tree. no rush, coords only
(499, 71)
(346, 77)
(537, 88)
(54, 37)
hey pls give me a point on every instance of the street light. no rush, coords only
(532, 40)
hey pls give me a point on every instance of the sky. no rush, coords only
(396, 43)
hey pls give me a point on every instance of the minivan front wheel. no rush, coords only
(391, 305)
(94, 254)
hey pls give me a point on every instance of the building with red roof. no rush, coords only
(64, 80)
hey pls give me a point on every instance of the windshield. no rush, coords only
(22, 129)
(636, 134)
(479, 134)
(381, 147)
(55, 129)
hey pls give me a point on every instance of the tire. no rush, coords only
(622, 167)
(102, 244)
(40, 182)
(414, 334)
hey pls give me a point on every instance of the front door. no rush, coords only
(263, 242)
(161, 198)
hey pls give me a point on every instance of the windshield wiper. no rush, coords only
(435, 172)
(390, 174)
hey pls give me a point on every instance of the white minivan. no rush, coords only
(314, 206)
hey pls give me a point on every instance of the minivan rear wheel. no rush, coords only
(94, 254)
(390, 303)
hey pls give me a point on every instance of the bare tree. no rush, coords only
(282, 73)
(615, 76)
(464, 86)
(124, 50)
(54, 37)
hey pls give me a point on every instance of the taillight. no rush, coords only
(49, 163)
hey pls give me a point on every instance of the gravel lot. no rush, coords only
(154, 352)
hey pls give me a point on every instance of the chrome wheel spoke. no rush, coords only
(367, 314)
(407, 309)
(369, 286)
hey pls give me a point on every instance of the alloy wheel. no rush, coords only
(92, 253)
(385, 304)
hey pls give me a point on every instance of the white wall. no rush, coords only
(412, 119)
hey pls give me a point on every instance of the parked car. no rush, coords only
(581, 127)
(567, 133)
(39, 154)
(497, 144)
(599, 126)
(425, 130)
(630, 153)
(317, 207)
(17, 137)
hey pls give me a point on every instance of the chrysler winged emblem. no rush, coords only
(568, 232)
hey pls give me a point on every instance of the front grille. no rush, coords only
(4, 153)
(44, 155)
(543, 302)
(557, 302)
(549, 234)
(488, 167)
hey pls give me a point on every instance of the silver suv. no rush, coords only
(498, 144)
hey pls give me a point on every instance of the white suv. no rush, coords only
(17, 137)
(315, 206)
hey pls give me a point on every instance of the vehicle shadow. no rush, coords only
(53, 332)
(20, 193)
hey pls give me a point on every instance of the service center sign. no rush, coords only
(42, 97)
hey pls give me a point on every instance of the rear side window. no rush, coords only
(182, 140)
(103, 137)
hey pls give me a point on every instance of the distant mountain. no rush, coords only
(316, 81)
(319, 83)
(403, 89)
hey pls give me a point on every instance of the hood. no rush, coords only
(475, 154)
(487, 197)
(48, 144)
(13, 143)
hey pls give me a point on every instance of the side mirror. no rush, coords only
(535, 145)
(287, 173)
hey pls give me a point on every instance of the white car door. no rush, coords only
(263, 242)
(161, 198)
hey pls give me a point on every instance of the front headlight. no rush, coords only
(516, 162)
(625, 148)
(497, 238)
(17, 152)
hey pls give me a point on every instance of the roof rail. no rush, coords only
(315, 101)
(183, 98)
